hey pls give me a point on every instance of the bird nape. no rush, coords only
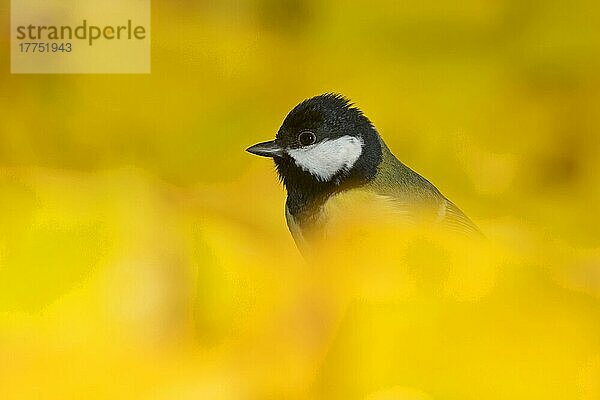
(333, 162)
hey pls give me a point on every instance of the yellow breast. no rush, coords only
(348, 211)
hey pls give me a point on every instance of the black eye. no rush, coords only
(306, 138)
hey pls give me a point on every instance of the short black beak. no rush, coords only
(266, 149)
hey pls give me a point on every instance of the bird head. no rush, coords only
(324, 142)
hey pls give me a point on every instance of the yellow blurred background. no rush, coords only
(144, 254)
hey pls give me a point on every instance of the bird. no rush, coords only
(332, 160)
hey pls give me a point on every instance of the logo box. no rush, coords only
(80, 37)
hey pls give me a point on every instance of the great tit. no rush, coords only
(330, 157)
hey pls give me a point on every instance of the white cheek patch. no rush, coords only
(327, 158)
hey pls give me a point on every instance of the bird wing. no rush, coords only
(454, 219)
(417, 200)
